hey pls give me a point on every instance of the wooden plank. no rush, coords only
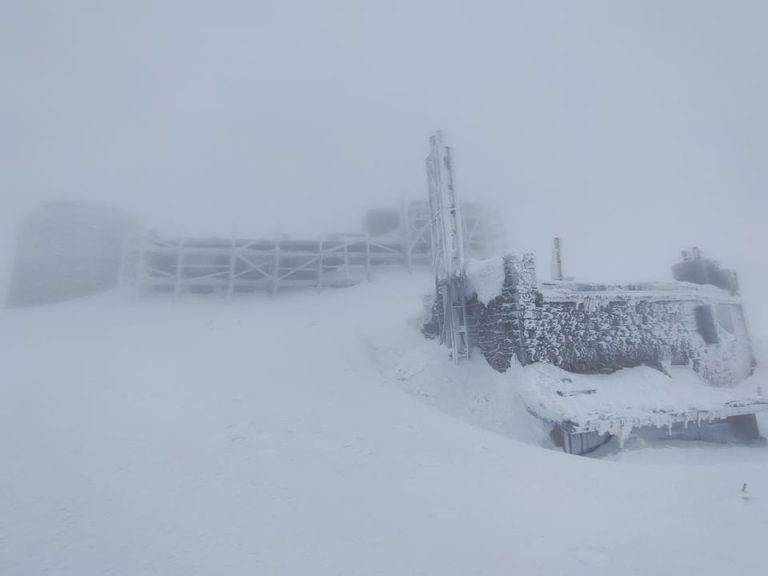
(320, 264)
(368, 260)
(179, 267)
(276, 268)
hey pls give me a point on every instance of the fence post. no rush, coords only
(367, 258)
(179, 267)
(276, 267)
(320, 264)
(232, 267)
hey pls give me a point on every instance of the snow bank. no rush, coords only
(630, 398)
(272, 436)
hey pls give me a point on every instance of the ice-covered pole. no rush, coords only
(447, 247)
(557, 259)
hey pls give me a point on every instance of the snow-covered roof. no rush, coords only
(672, 290)
(486, 279)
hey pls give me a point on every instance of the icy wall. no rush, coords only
(65, 250)
(589, 328)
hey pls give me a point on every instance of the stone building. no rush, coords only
(692, 328)
(599, 328)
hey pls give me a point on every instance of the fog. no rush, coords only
(267, 411)
(630, 129)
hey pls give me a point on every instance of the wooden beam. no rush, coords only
(320, 263)
(232, 266)
(179, 268)
(367, 259)
(276, 268)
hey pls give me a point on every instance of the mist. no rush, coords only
(194, 420)
(631, 129)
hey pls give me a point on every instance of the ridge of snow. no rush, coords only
(630, 398)
(273, 435)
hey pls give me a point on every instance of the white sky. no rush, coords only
(632, 129)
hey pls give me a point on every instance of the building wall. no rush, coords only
(65, 250)
(599, 329)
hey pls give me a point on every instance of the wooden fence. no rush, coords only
(156, 263)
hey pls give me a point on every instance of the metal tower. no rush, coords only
(447, 248)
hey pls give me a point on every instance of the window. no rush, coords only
(705, 324)
(725, 317)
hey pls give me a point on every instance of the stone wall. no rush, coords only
(589, 328)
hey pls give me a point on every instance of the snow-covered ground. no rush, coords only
(319, 433)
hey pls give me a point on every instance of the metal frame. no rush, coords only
(482, 237)
(188, 265)
(232, 265)
(431, 233)
(447, 227)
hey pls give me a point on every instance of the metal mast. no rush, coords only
(447, 248)
(557, 259)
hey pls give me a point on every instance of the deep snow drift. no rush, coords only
(319, 433)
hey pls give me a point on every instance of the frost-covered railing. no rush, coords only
(158, 263)
(205, 265)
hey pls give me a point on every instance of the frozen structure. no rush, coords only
(218, 265)
(597, 328)
(695, 322)
(693, 327)
(71, 249)
(447, 250)
(66, 250)
(685, 341)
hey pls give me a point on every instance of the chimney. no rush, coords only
(557, 259)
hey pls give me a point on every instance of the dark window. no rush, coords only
(725, 317)
(705, 324)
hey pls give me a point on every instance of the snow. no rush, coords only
(668, 291)
(319, 433)
(632, 397)
(486, 278)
